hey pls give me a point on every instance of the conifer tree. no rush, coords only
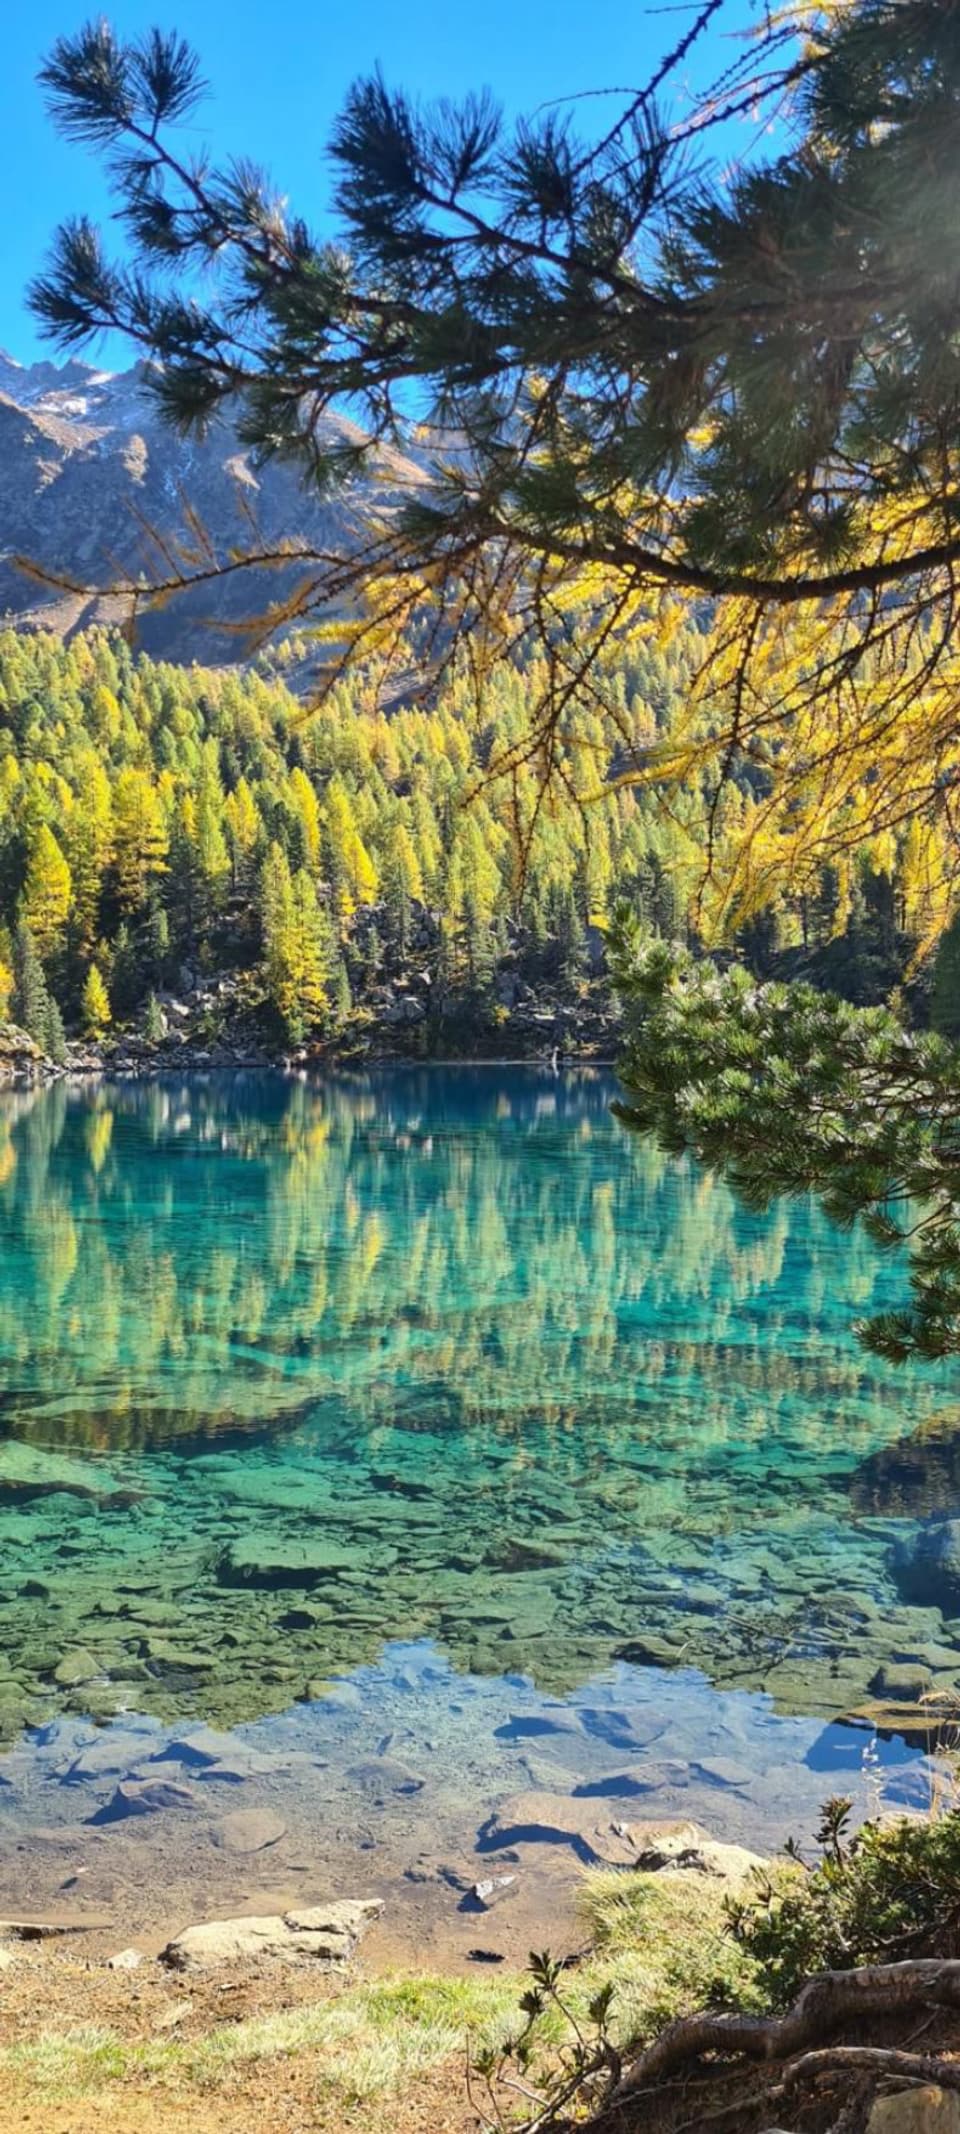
(786, 1090)
(342, 996)
(88, 844)
(352, 871)
(54, 1039)
(46, 892)
(296, 946)
(154, 1021)
(727, 381)
(141, 837)
(95, 1005)
(242, 826)
(945, 996)
(31, 1000)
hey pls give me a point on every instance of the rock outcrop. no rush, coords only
(88, 467)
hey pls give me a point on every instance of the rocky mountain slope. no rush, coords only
(89, 474)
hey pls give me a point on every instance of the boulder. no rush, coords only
(48, 1927)
(20, 1057)
(327, 1933)
(928, 2110)
(727, 1863)
(926, 1567)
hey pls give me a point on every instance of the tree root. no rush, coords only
(876, 2060)
(827, 2004)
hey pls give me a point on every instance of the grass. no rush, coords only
(369, 2040)
(660, 1937)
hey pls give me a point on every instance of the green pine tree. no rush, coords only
(31, 999)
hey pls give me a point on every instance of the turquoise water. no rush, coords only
(296, 1374)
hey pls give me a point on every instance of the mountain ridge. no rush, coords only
(94, 485)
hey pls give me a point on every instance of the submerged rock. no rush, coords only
(29, 1473)
(381, 1776)
(917, 1475)
(595, 1836)
(490, 1891)
(210, 1754)
(905, 1682)
(326, 1933)
(111, 1755)
(144, 1797)
(249, 1830)
(274, 1565)
(75, 1668)
(651, 1652)
(926, 1568)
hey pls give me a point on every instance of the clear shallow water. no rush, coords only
(294, 1375)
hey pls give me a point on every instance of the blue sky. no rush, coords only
(279, 70)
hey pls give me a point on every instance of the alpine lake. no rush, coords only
(410, 1475)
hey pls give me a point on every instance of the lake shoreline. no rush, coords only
(23, 1065)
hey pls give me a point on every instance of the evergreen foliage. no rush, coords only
(159, 823)
(30, 1000)
(889, 1893)
(945, 991)
(786, 1090)
(631, 374)
(139, 802)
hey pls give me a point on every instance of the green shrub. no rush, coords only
(893, 1891)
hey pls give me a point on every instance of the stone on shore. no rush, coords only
(325, 1933)
(728, 1863)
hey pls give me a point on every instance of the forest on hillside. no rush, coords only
(162, 827)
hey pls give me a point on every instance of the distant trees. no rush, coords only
(674, 375)
(157, 824)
